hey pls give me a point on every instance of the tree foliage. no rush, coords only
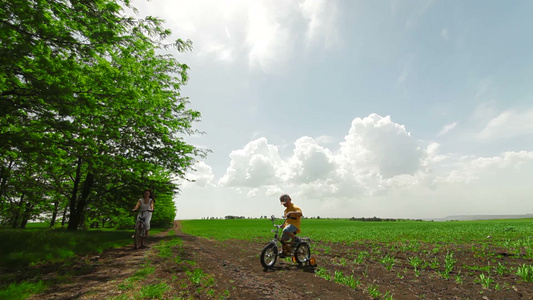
(90, 111)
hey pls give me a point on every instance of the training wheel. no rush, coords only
(312, 262)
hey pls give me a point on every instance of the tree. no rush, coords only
(92, 94)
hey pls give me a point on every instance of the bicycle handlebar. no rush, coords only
(273, 219)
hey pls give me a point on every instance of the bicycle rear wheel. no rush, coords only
(302, 254)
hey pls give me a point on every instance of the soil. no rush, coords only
(231, 269)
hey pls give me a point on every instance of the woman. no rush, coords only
(146, 203)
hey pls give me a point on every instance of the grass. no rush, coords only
(131, 282)
(30, 247)
(38, 244)
(154, 291)
(344, 230)
(22, 290)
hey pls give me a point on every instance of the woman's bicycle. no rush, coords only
(140, 230)
(300, 251)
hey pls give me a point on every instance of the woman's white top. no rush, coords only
(145, 206)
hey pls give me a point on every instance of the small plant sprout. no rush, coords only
(350, 281)
(415, 261)
(525, 272)
(484, 280)
(360, 257)
(458, 278)
(365, 272)
(321, 272)
(500, 269)
(373, 291)
(388, 296)
(402, 273)
(388, 261)
(435, 263)
(342, 261)
(449, 263)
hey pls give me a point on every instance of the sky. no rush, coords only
(395, 109)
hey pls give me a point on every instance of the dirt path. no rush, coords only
(233, 265)
(200, 268)
(97, 276)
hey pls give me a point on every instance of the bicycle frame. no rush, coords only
(140, 231)
(277, 237)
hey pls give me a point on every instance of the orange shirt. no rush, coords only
(296, 222)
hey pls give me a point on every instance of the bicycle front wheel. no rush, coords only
(302, 253)
(138, 239)
(269, 255)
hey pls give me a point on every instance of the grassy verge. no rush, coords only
(25, 250)
(16, 291)
(32, 247)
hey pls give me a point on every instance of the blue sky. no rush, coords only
(408, 109)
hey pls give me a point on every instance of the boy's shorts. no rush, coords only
(288, 228)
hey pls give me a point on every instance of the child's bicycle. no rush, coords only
(140, 231)
(300, 250)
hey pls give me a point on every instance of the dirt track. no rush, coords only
(232, 270)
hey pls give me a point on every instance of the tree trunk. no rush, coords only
(54, 214)
(17, 213)
(85, 192)
(77, 206)
(64, 217)
(27, 215)
(73, 219)
(5, 173)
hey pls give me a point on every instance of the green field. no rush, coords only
(510, 234)
(343, 230)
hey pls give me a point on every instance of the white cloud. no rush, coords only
(447, 128)
(252, 193)
(202, 175)
(310, 161)
(256, 164)
(322, 18)
(267, 38)
(325, 140)
(263, 32)
(376, 144)
(375, 151)
(508, 124)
